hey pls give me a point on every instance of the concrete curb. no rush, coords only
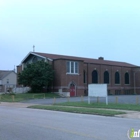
(129, 114)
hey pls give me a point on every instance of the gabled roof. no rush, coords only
(4, 73)
(30, 54)
(86, 60)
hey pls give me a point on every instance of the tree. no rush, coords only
(36, 75)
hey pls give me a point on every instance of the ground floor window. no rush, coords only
(117, 92)
(127, 92)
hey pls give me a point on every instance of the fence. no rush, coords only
(21, 89)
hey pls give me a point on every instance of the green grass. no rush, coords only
(103, 105)
(26, 96)
(78, 110)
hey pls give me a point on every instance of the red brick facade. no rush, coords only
(63, 80)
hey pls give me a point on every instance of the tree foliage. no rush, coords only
(36, 75)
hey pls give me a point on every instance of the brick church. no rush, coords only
(73, 74)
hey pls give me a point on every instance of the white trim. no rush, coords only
(22, 66)
(33, 54)
(68, 73)
(42, 56)
(38, 55)
(50, 59)
(72, 82)
(74, 68)
(25, 57)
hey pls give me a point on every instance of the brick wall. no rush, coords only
(62, 80)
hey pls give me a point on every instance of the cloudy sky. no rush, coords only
(88, 28)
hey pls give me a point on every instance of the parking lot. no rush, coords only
(125, 99)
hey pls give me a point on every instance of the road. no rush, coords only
(33, 124)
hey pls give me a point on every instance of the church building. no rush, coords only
(73, 74)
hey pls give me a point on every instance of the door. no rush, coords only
(72, 90)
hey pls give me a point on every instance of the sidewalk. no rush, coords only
(132, 115)
(129, 114)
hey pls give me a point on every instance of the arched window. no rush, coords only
(117, 78)
(126, 77)
(84, 76)
(106, 77)
(95, 76)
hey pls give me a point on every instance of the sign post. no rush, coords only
(97, 90)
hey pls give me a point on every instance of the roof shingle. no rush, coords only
(86, 60)
(4, 73)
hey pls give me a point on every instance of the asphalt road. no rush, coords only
(31, 124)
(125, 99)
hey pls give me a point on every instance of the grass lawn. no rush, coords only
(103, 105)
(26, 96)
(78, 110)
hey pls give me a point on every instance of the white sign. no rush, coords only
(97, 90)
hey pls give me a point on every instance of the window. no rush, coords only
(127, 92)
(106, 77)
(72, 67)
(76, 67)
(117, 92)
(126, 77)
(95, 76)
(34, 60)
(84, 76)
(117, 78)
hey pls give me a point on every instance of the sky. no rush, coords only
(84, 28)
